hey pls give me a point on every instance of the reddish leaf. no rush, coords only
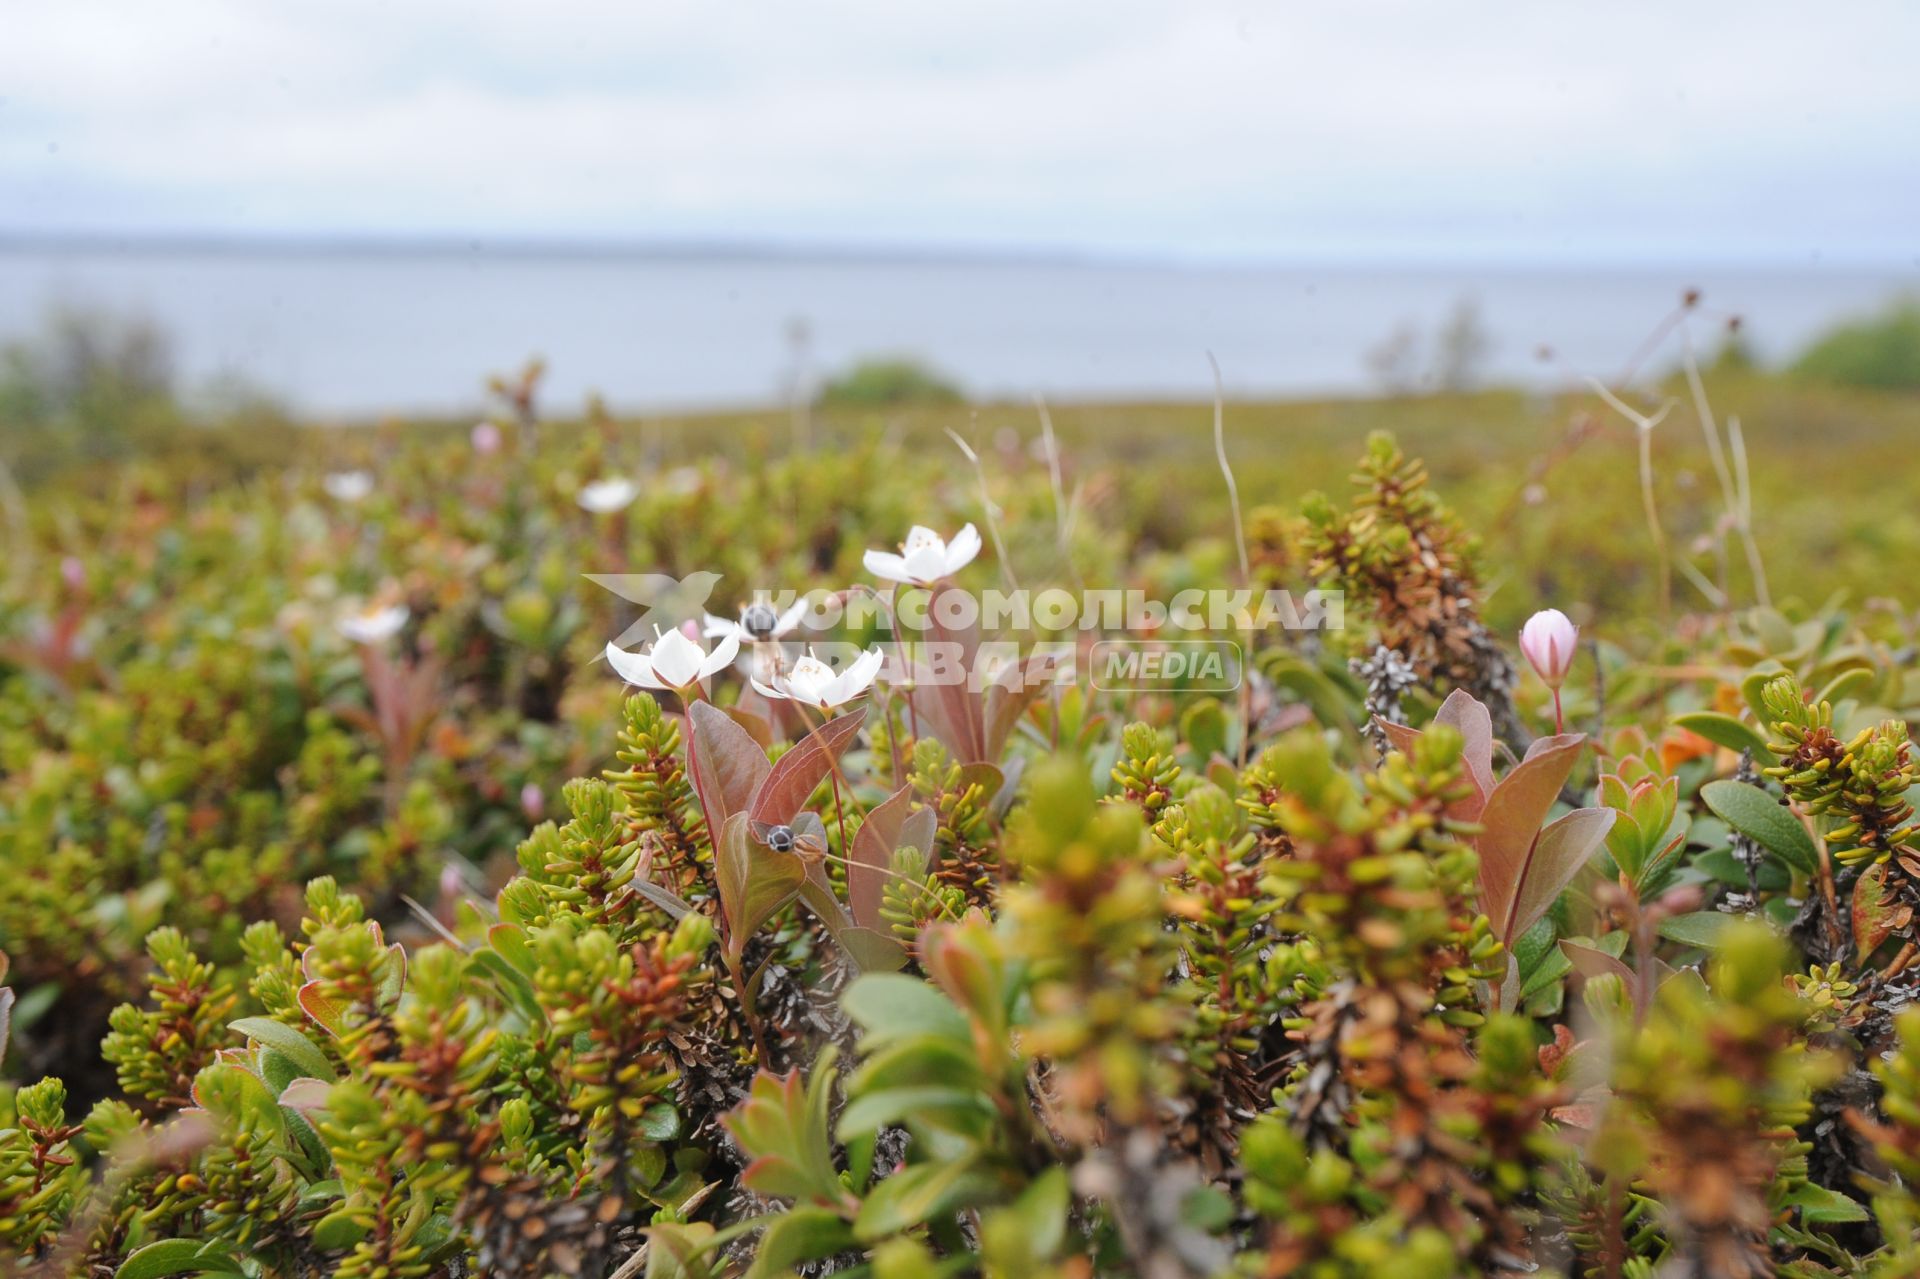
(325, 1013)
(1475, 724)
(962, 709)
(935, 716)
(1562, 849)
(785, 789)
(1401, 737)
(872, 853)
(1591, 963)
(1872, 910)
(306, 1094)
(870, 949)
(1511, 824)
(987, 777)
(1011, 694)
(726, 764)
(756, 725)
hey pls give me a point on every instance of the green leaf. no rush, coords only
(755, 882)
(1041, 1213)
(801, 1233)
(1204, 1208)
(289, 1043)
(1822, 1207)
(510, 940)
(915, 1061)
(277, 1069)
(176, 1257)
(337, 1230)
(1725, 730)
(514, 985)
(1552, 968)
(1703, 928)
(918, 1195)
(1756, 814)
(899, 1105)
(1721, 865)
(660, 1123)
(891, 1006)
(1844, 685)
(1535, 945)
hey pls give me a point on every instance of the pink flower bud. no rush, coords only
(1549, 641)
(486, 438)
(533, 801)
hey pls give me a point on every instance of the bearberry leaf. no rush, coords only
(1762, 819)
(1725, 730)
(288, 1042)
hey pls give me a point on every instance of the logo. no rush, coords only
(1190, 666)
(665, 601)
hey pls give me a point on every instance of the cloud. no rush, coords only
(1206, 128)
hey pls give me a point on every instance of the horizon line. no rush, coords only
(773, 249)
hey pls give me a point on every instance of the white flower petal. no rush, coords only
(962, 549)
(792, 617)
(858, 677)
(927, 563)
(722, 656)
(887, 566)
(603, 497)
(718, 626)
(768, 692)
(809, 681)
(348, 486)
(374, 625)
(677, 659)
(634, 668)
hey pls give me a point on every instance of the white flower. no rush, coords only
(813, 682)
(674, 662)
(924, 559)
(603, 497)
(373, 625)
(348, 486)
(758, 622)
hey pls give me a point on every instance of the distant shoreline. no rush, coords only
(693, 250)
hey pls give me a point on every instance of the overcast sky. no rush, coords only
(1730, 129)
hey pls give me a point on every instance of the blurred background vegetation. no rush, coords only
(1552, 481)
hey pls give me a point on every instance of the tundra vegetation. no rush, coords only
(361, 922)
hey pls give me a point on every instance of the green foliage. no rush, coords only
(887, 383)
(1881, 352)
(1156, 984)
